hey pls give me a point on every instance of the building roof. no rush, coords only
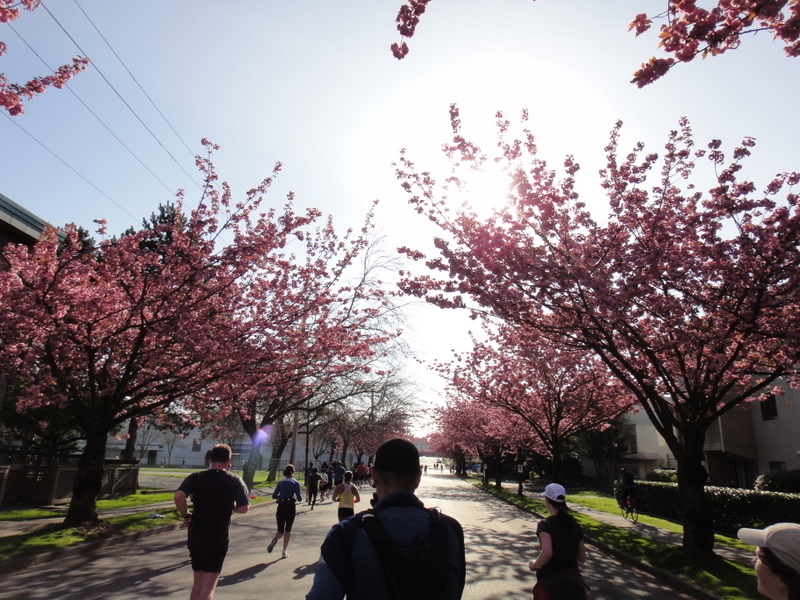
(22, 222)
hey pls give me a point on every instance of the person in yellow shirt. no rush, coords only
(347, 495)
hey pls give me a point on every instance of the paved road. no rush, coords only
(500, 542)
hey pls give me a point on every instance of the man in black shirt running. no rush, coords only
(216, 494)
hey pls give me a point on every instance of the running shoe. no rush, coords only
(272, 544)
(284, 554)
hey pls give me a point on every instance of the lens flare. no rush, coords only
(263, 435)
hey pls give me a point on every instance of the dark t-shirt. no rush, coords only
(338, 474)
(313, 481)
(214, 493)
(565, 545)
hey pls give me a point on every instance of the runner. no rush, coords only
(561, 551)
(314, 479)
(347, 495)
(286, 493)
(215, 494)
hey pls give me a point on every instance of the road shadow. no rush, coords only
(305, 571)
(91, 581)
(243, 575)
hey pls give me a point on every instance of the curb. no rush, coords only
(25, 562)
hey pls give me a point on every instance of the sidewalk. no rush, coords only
(669, 537)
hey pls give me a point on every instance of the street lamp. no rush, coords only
(308, 431)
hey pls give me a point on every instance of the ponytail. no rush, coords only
(563, 516)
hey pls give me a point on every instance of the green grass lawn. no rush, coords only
(723, 578)
(607, 503)
(56, 537)
(132, 500)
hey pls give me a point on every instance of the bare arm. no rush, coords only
(356, 495)
(182, 504)
(241, 509)
(581, 552)
(545, 553)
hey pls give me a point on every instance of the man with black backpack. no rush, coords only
(399, 549)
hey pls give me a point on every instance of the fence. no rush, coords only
(43, 480)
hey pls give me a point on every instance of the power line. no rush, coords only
(66, 164)
(133, 112)
(134, 79)
(132, 153)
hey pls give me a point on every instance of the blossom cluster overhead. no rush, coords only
(13, 94)
(686, 30)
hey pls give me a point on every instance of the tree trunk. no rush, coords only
(277, 452)
(88, 482)
(698, 522)
(557, 473)
(333, 452)
(344, 454)
(130, 444)
(249, 471)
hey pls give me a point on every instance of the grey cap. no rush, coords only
(783, 539)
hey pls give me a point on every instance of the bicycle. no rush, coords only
(627, 505)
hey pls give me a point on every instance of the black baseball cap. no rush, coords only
(397, 455)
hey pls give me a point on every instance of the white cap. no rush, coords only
(555, 492)
(783, 539)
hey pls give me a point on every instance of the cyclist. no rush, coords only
(626, 484)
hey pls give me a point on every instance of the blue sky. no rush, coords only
(314, 85)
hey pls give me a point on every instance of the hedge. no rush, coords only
(731, 508)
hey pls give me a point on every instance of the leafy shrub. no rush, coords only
(731, 508)
(571, 466)
(668, 475)
(779, 481)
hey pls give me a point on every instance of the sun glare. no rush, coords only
(485, 190)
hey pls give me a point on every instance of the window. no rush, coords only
(197, 444)
(769, 409)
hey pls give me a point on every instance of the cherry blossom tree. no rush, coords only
(324, 323)
(119, 331)
(12, 94)
(686, 30)
(383, 413)
(468, 426)
(559, 392)
(691, 299)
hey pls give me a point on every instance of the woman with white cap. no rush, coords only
(561, 539)
(777, 561)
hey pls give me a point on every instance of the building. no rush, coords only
(17, 225)
(645, 449)
(158, 447)
(751, 439)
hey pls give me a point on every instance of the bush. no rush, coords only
(667, 475)
(572, 466)
(731, 508)
(779, 481)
